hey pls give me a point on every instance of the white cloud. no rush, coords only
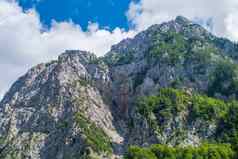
(231, 22)
(223, 13)
(24, 42)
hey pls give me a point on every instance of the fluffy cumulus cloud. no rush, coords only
(223, 13)
(24, 42)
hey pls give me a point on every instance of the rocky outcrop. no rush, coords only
(39, 114)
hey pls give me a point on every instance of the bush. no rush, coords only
(205, 151)
(208, 108)
(228, 126)
(139, 153)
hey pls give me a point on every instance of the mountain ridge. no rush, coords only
(145, 91)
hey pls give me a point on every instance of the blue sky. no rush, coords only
(108, 13)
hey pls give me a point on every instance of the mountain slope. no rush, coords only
(152, 89)
(58, 105)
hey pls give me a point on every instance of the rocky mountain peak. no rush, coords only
(151, 89)
(138, 47)
(82, 56)
(183, 20)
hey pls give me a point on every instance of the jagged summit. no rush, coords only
(75, 53)
(178, 25)
(183, 20)
(137, 48)
(82, 56)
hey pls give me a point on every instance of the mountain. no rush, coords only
(170, 92)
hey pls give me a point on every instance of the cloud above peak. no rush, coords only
(222, 12)
(25, 42)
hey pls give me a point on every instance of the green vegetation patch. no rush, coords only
(95, 137)
(117, 59)
(224, 80)
(170, 46)
(228, 126)
(205, 151)
(167, 103)
(170, 103)
(207, 108)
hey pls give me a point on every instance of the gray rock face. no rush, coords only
(38, 113)
(81, 105)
